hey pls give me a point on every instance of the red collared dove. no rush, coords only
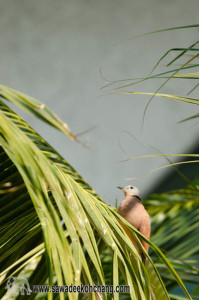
(134, 212)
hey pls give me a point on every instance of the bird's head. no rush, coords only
(130, 190)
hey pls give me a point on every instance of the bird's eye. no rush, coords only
(131, 187)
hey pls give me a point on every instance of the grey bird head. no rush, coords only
(130, 190)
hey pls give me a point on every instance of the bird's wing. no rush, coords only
(145, 229)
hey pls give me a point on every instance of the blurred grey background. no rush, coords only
(54, 50)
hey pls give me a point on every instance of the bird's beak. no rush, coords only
(119, 187)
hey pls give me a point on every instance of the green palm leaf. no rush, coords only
(175, 220)
(36, 108)
(174, 214)
(52, 218)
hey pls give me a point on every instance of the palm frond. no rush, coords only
(175, 220)
(174, 214)
(51, 216)
(36, 108)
